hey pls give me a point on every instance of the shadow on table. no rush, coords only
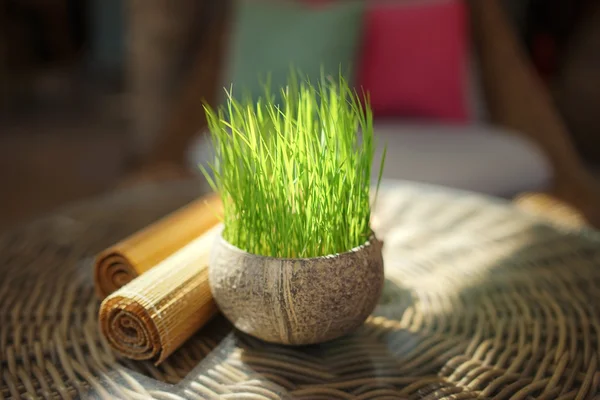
(362, 362)
(493, 305)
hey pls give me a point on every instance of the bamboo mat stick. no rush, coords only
(121, 263)
(154, 314)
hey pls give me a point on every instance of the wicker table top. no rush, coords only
(481, 301)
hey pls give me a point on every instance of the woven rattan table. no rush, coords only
(481, 301)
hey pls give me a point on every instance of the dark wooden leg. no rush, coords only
(158, 32)
(167, 119)
(517, 99)
(186, 119)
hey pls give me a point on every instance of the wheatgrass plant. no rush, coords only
(294, 177)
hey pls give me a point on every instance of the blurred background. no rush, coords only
(95, 94)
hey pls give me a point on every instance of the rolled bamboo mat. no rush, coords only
(154, 314)
(121, 263)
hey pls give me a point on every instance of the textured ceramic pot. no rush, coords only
(296, 301)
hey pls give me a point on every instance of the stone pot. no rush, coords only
(296, 301)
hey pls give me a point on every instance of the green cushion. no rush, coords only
(270, 37)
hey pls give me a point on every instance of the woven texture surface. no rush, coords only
(481, 301)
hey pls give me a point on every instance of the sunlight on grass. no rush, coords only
(294, 177)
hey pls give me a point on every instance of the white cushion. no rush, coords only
(478, 158)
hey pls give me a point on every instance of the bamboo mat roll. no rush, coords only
(121, 263)
(154, 314)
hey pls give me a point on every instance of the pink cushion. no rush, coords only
(414, 61)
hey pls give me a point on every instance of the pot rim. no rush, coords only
(371, 241)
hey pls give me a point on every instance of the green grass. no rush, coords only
(294, 177)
